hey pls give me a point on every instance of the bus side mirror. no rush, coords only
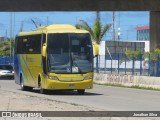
(96, 49)
(44, 50)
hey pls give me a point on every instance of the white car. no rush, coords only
(6, 71)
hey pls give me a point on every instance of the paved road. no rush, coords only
(101, 97)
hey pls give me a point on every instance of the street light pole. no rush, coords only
(10, 36)
(47, 20)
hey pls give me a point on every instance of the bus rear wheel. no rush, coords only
(81, 92)
(23, 87)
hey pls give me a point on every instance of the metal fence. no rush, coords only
(122, 64)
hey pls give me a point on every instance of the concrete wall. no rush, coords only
(127, 80)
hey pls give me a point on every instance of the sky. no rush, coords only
(127, 21)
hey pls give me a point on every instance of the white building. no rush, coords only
(113, 48)
(103, 46)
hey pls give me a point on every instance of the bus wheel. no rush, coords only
(25, 88)
(42, 91)
(81, 92)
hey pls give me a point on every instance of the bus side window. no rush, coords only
(36, 44)
(27, 44)
(19, 45)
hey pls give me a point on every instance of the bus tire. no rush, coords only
(23, 87)
(42, 90)
(81, 92)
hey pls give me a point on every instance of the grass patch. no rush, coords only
(133, 86)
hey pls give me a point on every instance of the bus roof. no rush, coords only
(55, 28)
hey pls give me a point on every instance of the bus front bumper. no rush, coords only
(62, 85)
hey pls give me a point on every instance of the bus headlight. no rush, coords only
(88, 77)
(53, 77)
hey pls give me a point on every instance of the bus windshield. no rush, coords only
(69, 53)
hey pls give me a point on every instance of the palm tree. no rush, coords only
(97, 31)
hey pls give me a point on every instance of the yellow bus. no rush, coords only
(54, 57)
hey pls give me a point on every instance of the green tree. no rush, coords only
(131, 56)
(152, 57)
(97, 31)
(5, 47)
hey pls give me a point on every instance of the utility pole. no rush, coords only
(127, 34)
(13, 31)
(13, 25)
(10, 33)
(47, 20)
(21, 28)
(119, 33)
(11, 37)
(119, 49)
(6, 35)
(113, 22)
